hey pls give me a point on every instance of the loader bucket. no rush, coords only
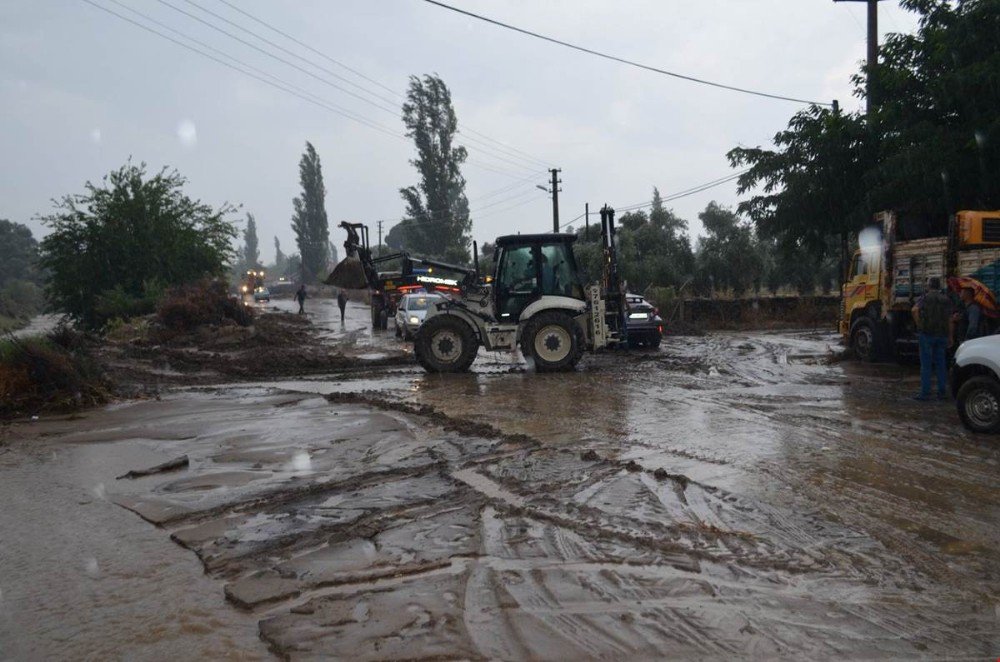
(348, 275)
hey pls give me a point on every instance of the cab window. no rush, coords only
(559, 275)
(517, 273)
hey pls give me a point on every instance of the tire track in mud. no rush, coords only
(536, 551)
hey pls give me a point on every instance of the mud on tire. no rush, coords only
(445, 343)
(554, 340)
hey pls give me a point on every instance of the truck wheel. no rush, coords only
(383, 320)
(551, 338)
(445, 343)
(863, 340)
(979, 404)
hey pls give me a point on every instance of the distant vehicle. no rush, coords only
(644, 325)
(975, 383)
(261, 294)
(411, 312)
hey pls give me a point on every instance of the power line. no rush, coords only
(275, 57)
(492, 149)
(393, 112)
(284, 87)
(615, 58)
(310, 48)
(499, 146)
(674, 196)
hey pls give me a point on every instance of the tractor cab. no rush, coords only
(530, 266)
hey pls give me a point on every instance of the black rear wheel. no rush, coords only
(445, 343)
(553, 340)
(979, 404)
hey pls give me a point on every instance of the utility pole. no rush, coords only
(555, 196)
(871, 83)
(380, 236)
(586, 215)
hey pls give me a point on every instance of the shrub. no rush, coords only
(207, 301)
(55, 372)
(109, 244)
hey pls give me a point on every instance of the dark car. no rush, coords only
(644, 325)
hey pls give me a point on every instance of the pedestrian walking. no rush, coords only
(300, 296)
(342, 303)
(932, 315)
(969, 321)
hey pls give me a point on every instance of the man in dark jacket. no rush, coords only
(969, 322)
(300, 296)
(342, 303)
(933, 317)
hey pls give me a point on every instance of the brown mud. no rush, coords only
(727, 495)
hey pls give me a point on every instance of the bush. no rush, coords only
(109, 244)
(117, 304)
(50, 373)
(20, 299)
(189, 306)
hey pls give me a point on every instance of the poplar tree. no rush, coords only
(251, 252)
(309, 222)
(437, 223)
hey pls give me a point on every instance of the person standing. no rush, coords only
(969, 322)
(300, 296)
(342, 304)
(932, 315)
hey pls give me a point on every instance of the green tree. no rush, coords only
(251, 252)
(729, 256)
(18, 253)
(126, 238)
(930, 146)
(312, 231)
(280, 259)
(437, 223)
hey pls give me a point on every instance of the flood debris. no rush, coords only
(175, 464)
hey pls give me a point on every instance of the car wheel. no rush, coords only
(445, 343)
(399, 333)
(551, 339)
(979, 404)
(654, 342)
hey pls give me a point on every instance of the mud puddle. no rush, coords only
(727, 495)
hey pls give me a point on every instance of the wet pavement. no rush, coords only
(731, 494)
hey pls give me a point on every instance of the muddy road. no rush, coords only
(732, 494)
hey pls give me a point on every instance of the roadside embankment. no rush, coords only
(816, 312)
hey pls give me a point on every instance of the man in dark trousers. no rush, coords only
(933, 317)
(969, 322)
(342, 302)
(300, 296)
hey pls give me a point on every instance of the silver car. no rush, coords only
(411, 311)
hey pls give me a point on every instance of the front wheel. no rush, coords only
(552, 339)
(979, 404)
(445, 343)
(863, 340)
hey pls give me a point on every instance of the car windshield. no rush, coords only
(421, 303)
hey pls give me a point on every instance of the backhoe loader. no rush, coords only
(534, 299)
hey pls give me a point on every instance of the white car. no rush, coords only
(975, 383)
(411, 312)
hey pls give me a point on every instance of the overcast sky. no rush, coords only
(81, 91)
